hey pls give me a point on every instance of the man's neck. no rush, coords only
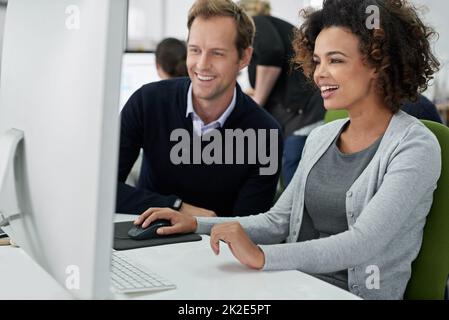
(211, 110)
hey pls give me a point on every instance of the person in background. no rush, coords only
(171, 55)
(279, 87)
(423, 109)
(207, 104)
(356, 208)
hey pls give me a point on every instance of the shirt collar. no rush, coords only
(190, 110)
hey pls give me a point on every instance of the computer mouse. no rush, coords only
(139, 233)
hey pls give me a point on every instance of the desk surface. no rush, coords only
(193, 267)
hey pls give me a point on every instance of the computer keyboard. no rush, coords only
(128, 277)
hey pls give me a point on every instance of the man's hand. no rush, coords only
(193, 211)
(181, 223)
(239, 243)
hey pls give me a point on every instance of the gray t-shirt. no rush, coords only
(325, 198)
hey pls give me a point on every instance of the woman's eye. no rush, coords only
(336, 61)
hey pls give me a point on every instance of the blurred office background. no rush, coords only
(150, 21)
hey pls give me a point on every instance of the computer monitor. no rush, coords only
(59, 96)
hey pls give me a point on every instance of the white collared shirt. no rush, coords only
(198, 125)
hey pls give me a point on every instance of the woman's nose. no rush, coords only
(320, 71)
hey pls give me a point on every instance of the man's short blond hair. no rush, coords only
(226, 8)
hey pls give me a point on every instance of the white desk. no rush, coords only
(193, 267)
(22, 278)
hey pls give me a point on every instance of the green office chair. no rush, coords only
(430, 270)
(332, 115)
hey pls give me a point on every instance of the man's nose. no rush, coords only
(203, 61)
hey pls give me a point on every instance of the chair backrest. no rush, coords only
(332, 115)
(430, 270)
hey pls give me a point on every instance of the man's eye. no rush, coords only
(336, 61)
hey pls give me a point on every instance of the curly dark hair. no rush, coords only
(399, 50)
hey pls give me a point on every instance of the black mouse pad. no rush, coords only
(123, 242)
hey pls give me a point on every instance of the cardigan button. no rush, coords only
(349, 194)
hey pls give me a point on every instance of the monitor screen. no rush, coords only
(59, 96)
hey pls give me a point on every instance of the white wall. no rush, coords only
(145, 24)
(175, 12)
(436, 15)
(2, 26)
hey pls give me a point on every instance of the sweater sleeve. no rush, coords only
(411, 177)
(129, 199)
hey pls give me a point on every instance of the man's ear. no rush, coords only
(246, 57)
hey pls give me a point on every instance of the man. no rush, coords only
(208, 103)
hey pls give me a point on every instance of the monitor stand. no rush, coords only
(11, 143)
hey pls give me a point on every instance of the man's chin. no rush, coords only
(202, 94)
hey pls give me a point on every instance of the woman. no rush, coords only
(356, 208)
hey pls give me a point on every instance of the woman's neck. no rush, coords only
(370, 119)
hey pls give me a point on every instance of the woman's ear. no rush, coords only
(375, 73)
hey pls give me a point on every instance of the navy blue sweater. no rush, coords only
(148, 119)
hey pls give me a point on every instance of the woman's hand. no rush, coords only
(239, 243)
(181, 223)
